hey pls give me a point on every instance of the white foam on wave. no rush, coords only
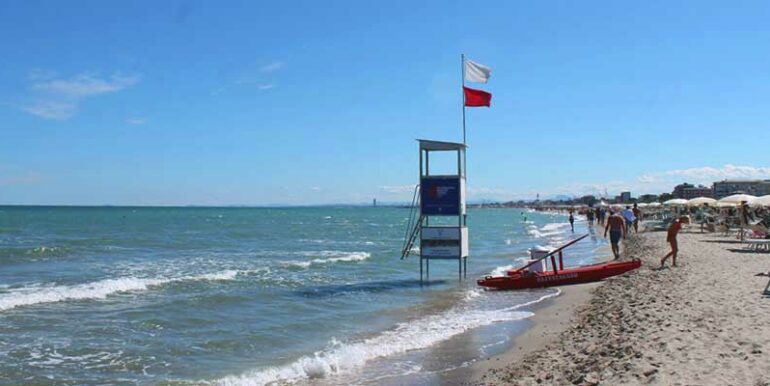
(547, 230)
(501, 271)
(554, 226)
(100, 289)
(473, 293)
(43, 250)
(329, 257)
(341, 357)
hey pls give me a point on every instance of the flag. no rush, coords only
(477, 73)
(476, 98)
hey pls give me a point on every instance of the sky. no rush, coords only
(302, 103)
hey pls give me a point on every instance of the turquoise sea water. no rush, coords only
(238, 296)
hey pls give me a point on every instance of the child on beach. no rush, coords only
(616, 225)
(673, 230)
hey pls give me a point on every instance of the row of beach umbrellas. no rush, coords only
(726, 202)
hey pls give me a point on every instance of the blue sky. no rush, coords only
(217, 103)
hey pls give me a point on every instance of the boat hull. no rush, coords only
(577, 275)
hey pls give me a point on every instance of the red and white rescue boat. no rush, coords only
(524, 277)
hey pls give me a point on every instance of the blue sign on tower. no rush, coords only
(440, 196)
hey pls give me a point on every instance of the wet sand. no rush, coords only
(705, 322)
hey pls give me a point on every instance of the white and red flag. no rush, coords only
(476, 98)
(476, 72)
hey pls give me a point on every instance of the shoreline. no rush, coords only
(550, 318)
(692, 324)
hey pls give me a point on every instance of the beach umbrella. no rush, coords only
(726, 204)
(738, 198)
(675, 201)
(762, 201)
(641, 205)
(699, 201)
(654, 205)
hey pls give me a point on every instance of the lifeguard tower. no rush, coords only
(438, 215)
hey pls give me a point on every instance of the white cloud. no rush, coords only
(136, 121)
(84, 85)
(725, 172)
(315, 188)
(397, 189)
(52, 109)
(59, 98)
(266, 86)
(646, 179)
(660, 182)
(650, 182)
(271, 67)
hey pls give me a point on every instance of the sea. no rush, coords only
(253, 296)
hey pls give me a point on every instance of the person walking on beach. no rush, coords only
(638, 215)
(616, 225)
(703, 216)
(571, 221)
(673, 230)
(590, 216)
(628, 214)
(744, 217)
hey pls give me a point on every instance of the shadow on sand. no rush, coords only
(722, 241)
(747, 250)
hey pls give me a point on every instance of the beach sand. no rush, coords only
(705, 322)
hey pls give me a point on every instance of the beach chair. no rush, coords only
(757, 245)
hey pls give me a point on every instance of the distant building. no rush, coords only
(688, 191)
(374, 202)
(648, 198)
(625, 197)
(725, 188)
(589, 200)
(697, 191)
(679, 190)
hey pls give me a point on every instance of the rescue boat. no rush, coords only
(537, 275)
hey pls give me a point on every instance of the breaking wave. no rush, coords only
(329, 257)
(339, 357)
(99, 289)
(547, 230)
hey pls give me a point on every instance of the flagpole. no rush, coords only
(462, 72)
(465, 163)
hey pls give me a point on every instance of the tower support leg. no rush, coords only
(420, 270)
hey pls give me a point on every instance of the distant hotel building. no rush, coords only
(757, 188)
(688, 191)
(624, 197)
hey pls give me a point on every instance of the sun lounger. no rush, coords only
(757, 245)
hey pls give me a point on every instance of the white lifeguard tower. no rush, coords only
(438, 215)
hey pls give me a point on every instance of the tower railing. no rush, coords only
(412, 225)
